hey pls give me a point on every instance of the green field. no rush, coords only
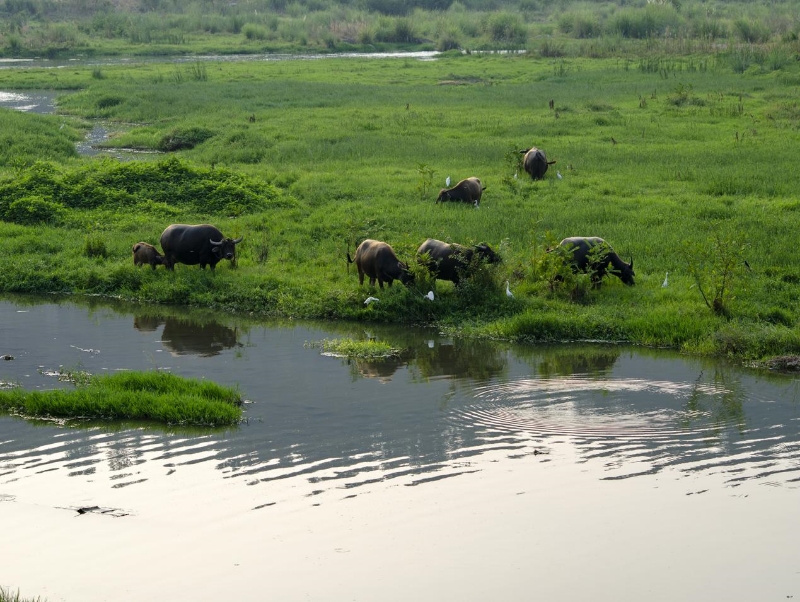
(687, 163)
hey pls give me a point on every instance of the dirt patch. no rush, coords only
(783, 363)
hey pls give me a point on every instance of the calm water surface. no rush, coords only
(442, 441)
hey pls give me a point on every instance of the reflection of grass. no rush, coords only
(7, 595)
(157, 396)
(359, 349)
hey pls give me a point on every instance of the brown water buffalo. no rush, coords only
(144, 253)
(450, 261)
(466, 191)
(595, 254)
(377, 261)
(192, 245)
(535, 162)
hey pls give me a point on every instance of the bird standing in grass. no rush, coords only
(666, 281)
(447, 181)
(509, 294)
(369, 300)
(429, 295)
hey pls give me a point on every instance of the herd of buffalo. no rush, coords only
(205, 245)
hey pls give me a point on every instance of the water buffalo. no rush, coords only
(450, 261)
(146, 253)
(466, 191)
(595, 254)
(535, 162)
(377, 260)
(203, 244)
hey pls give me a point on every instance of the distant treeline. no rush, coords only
(50, 27)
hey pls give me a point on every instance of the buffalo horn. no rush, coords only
(215, 243)
(238, 240)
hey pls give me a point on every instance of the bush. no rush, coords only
(184, 139)
(506, 28)
(95, 246)
(34, 210)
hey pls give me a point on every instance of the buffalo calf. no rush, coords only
(145, 253)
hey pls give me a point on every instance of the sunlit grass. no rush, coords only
(659, 157)
(370, 349)
(156, 396)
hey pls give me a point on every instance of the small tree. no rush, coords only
(716, 264)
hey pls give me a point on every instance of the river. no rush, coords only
(458, 470)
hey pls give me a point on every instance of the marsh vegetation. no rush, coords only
(143, 396)
(683, 162)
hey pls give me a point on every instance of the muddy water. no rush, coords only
(458, 470)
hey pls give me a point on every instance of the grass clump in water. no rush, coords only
(157, 396)
(370, 349)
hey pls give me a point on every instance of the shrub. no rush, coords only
(95, 246)
(33, 210)
(506, 28)
(184, 139)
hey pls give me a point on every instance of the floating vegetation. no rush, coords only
(370, 349)
(157, 396)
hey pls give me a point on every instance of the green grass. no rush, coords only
(6, 595)
(148, 396)
(370, 349)
(683, 163)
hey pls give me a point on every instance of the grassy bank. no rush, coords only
(151, 396)
(684, 163)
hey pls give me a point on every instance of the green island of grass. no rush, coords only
(146, 396)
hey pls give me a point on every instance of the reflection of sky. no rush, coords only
(315, 420)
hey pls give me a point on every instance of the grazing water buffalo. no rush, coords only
(535, 162)
(595, 254)
(377, 260)
(466, 191)
(202, 244)
(145, 253)
(452, 261)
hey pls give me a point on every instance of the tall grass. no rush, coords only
(37, 27)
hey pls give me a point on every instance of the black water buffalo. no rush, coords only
(469, 191)
(144, 253)
(377, 260)
(450, 261)
(203, 244)
(535, 162)
(595, 254)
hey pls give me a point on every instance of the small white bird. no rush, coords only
(429, 295)
(558, 173)
(509, 294)
(369, 300)
(447, 181)
(666, 281)
(515, 175)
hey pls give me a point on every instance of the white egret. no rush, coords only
(666, 281)
(558, 173)
(369, 300)
(447, 181)
(509, 294)
(429, 295)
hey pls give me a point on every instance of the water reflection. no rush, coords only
(186, 336)
(433, 412)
